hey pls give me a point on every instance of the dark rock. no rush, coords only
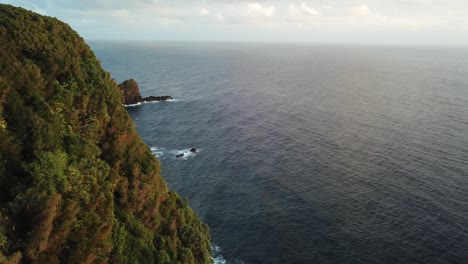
(193, 150)
(157, 98)
(131, 94)
(180, 155)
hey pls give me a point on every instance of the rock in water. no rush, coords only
(193, 150)
(180, 155)
(131, 92)
(157, 98)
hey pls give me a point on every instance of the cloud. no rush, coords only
(121, 13)
(420, 2)
(303, 14)
(247, 13)
(303, 10)
(363, 15)
(167, 21)
(309, 11)
(360, 11)
(218, 18)
(204, 11)
(257, 9)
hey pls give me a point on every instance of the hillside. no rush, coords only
(77, 184)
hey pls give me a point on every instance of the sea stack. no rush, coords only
(131, 94)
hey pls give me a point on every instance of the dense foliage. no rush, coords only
(77, 184)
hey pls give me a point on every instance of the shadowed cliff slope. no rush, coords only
(77, 184)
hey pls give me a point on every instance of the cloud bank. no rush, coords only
(387, 21)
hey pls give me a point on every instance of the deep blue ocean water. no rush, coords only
(311, 154)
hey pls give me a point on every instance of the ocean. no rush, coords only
(310, 153)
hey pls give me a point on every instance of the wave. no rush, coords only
(163, 153)
(218, 257)
(133, 105)
(150, 102)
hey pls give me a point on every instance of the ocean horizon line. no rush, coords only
(291, 43)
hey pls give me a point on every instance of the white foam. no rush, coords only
(160, 152)
(187, 153)
(219, 260)
(217, 257)
(132, 105)
(157, 151)
(150, 102)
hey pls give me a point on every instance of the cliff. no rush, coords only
(77, 184)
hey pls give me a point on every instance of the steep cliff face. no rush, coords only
(77, 184)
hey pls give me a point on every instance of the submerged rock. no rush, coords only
(180, 155)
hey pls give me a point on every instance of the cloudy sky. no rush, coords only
(432, 22)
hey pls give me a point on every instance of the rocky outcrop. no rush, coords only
(131, 94)
(157, 98)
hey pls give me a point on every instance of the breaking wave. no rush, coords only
(150, 102)
(218, 257)
(163, 153)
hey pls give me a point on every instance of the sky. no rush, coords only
(420, 22)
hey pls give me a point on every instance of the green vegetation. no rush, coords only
(77, 184)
